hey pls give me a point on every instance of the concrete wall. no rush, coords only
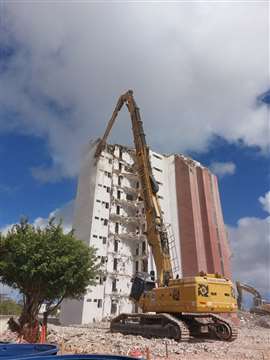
(4, 323)
(203, 238)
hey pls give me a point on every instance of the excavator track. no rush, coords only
(221, 328)
(151, 325)
(231, 331)
(180, 329)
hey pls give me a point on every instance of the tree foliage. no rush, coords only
(46, 266)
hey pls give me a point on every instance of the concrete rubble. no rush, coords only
(253, 342)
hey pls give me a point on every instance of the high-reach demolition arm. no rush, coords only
(156, 232)
(175, 308)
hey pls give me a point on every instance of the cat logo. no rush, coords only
(203, 290)
(176, 294)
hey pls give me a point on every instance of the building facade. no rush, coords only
(109, 215)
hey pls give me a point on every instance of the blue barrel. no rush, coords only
(82, 357)
(12, 351)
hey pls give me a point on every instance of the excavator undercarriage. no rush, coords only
(180, 327)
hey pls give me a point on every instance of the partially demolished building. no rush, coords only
(109, 215)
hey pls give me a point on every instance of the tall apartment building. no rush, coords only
(109, 215)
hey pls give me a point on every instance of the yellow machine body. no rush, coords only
(203, 294)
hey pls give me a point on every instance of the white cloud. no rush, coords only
(63, 214)
(4, 229)
(265, 201)
(250, 241)
(196, 70)
(223, 168)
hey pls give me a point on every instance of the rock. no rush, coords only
(264, 322)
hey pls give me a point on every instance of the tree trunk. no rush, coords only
(27, 327)
(45, 322)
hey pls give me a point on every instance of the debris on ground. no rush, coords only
(253, 342)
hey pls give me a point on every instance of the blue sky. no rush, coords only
(201, 78)
(21, 193)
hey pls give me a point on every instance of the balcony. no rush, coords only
(132, 236)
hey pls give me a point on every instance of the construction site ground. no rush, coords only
(253, 342)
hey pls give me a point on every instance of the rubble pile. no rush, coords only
(8, 336)
(253, 342)
(251, 321)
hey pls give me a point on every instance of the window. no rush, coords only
(137, 184)
(118, 194)
(120, 167)
(114, 285)
(107, 173)
(145, 265)
(108, 189)
(160, 197)
(137, 266)
(115, 263)
(118, 210)
(98, 201)
(143, 248)
(157, 157)
(116, 228)
(113, 308)
(99, 303)
(100, 185)
(115, 245)
(89, 300)
(157, 169)
(96, 217)
(104, 240)
(106, 205)
(129, 197)
(95, 236)
(110, 161)
(119, 180)
(105, 222)
(103, 259)
(120, 153)
(137, 251)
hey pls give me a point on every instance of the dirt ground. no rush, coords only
(253, 342)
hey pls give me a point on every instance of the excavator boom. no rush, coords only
(156, 232)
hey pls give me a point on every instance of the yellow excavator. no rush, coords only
(172, 308)
(260, 306)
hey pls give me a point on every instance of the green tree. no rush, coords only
(46, 266)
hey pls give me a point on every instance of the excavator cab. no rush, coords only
(142, 282)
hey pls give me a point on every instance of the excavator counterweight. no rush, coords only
(173, 308)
